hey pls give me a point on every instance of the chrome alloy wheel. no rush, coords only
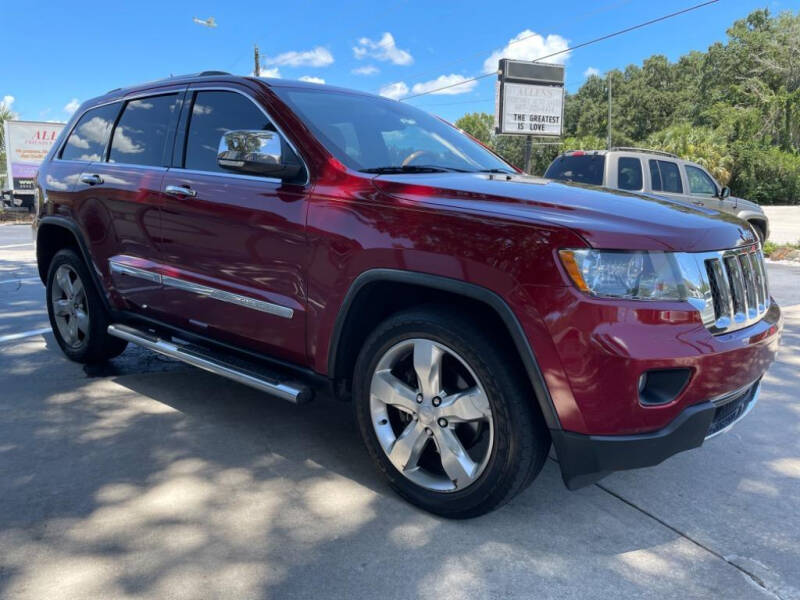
(431, 415)
(70, 311)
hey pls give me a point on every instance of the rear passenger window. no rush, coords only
(88, 140)
(140, 137)
(214, 114)
(629, 173)
(665, 176)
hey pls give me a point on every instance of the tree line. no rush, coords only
(735, 109)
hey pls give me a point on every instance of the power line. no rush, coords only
(571, 20)
(576, 47)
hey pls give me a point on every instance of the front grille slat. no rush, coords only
(739, 291)
(749, 285)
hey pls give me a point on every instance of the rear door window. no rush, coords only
(140, 137)
(89, 138)
(584, 168)
(629, 173)
(665, 176)
(700, 183)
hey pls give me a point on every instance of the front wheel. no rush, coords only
(445, 415)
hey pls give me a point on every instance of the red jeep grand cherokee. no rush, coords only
(287, 235)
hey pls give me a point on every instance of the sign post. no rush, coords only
(529, 100)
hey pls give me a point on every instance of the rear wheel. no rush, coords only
(444, 414)
(77, 314)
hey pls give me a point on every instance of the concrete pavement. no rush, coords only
(150, 479)
(784, 224)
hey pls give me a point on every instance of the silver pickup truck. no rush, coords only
(659, 173)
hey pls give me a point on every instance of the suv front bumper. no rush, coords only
(585, 459)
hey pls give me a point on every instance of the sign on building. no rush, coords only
(529, 98)
(27, 143)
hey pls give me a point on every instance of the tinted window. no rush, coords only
(629, 173)
(141, 134)
(88, 140)
(585, 168)
(668, 178)
(699, 182)
(213, 114)
(655, 176)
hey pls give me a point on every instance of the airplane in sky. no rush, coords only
(209, 22)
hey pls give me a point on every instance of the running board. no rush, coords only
(250, 374)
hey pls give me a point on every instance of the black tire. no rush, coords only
(521, 439)
(759, 231)
(94, 345)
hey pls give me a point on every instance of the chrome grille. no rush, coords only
(738, 288)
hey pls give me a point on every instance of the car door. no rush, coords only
(666, 179)
(121, 194)
(703, 190)
(234, 245)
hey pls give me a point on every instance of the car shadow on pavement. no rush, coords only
(179, 483)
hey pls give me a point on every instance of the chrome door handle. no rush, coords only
(698, 202)
(91, 179)
(180, 190)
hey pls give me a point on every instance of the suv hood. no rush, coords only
(605, 218)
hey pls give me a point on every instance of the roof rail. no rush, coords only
(647, 150)
(200, 74)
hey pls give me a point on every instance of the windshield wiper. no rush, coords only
(503, 171)
(411, 169)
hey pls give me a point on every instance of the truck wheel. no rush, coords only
(445, 415)
(77, 314)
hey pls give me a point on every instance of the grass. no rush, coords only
(771, 248)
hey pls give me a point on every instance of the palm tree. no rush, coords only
(5, 115)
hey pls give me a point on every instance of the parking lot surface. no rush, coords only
(146, 478)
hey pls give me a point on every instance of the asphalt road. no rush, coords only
(149, 479)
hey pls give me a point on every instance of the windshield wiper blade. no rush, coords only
(503, 171)
(410, 169)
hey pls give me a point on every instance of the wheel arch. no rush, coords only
(396, 290)
(56, 233)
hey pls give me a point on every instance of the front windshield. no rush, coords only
(368, 133)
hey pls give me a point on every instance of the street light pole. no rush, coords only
(608, 140)
(257, 66)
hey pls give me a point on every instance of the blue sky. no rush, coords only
(67, 53)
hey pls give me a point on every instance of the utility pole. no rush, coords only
(528, 148)
(608, 141)
(257, 60)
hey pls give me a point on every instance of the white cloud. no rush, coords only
(311, 79)
(442, 82)
(527, 45)
(8, 101)
(316, 57)
(366, 70)
(395, 90)
(383, 49)
(273, 73)
(72, 106)
(591, 71)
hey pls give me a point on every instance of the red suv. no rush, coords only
(291, 236)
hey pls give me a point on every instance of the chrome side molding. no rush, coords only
(202, 290)
(292, 392)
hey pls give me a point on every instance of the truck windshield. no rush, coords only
(582, 168)
(377, 135)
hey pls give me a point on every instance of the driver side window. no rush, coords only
(700, 184)
(213, 114)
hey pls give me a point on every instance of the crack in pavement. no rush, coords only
(763, 585)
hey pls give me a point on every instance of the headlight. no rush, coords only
(622, 274)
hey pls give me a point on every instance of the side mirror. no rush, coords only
(724, 192)
(257, 152)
